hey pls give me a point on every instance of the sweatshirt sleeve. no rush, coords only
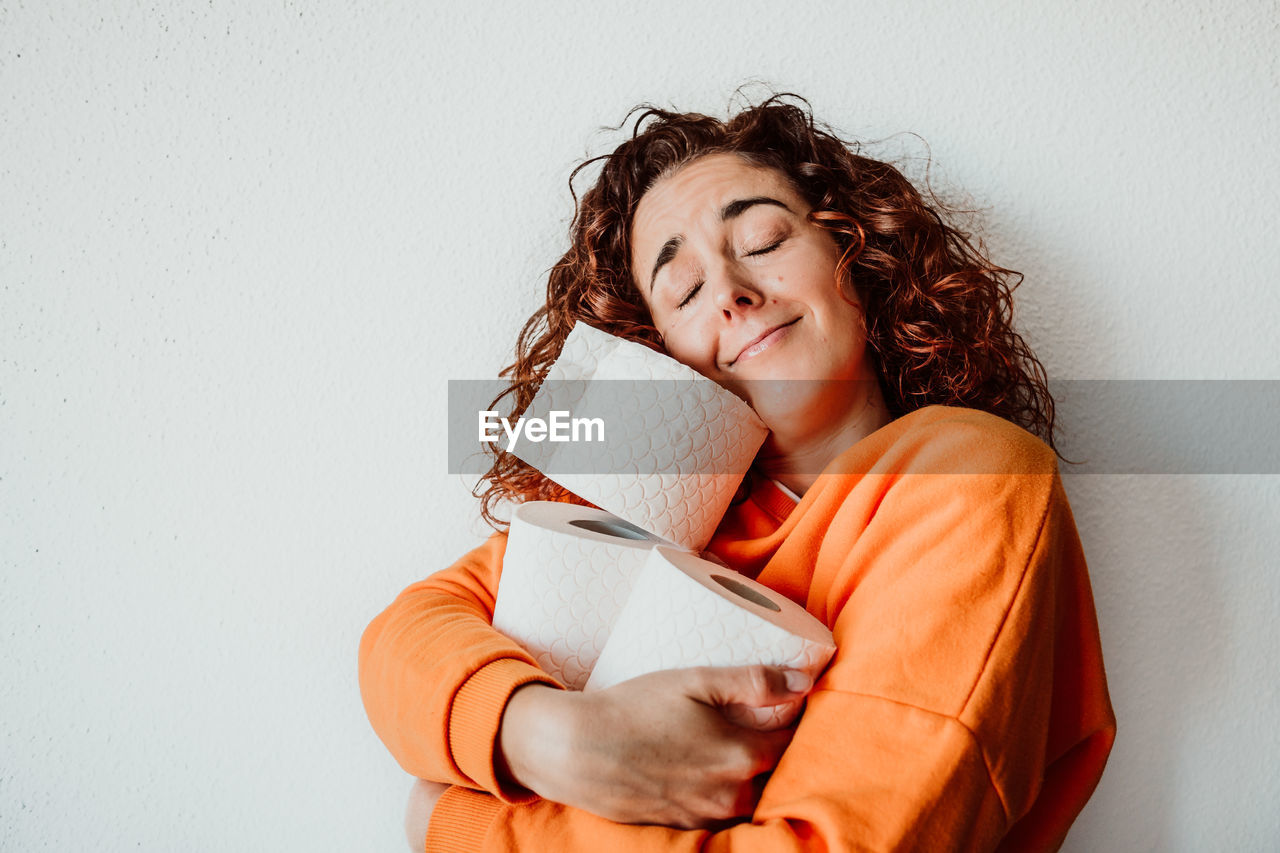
(435, 675)
(966, 706)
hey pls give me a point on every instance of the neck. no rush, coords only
(796, 458)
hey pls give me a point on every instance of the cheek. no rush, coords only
(688, 352)
(691, 343)
(844, 310)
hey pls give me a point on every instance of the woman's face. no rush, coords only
(743, 287)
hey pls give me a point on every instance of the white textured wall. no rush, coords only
(243, 245)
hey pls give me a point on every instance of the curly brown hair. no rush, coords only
(938, 312)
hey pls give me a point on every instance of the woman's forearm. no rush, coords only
(530, 737)
(657, 749)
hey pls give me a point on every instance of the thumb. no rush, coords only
(758, 685)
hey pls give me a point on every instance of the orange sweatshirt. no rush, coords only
(966, 707)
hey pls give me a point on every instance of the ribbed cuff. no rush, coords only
(476, 717)
(460, 821)
(772, 499)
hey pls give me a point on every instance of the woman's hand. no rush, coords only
(417, 815)
(672, 748)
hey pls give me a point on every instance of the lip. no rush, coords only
(763, 341)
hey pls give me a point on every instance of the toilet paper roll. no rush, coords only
(567, 572)
(675, 445)
(686, 611)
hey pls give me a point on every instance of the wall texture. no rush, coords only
(244, 245)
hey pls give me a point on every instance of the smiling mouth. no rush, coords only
(763, 342)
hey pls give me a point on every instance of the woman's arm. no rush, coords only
(660, 748)
(456, 701)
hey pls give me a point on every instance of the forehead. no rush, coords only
(697, 192)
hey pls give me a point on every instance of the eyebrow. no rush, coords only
(732, 210)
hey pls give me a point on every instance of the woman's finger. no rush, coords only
(748, 686)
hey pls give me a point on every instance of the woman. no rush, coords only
(899, 497)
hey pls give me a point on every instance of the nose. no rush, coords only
(734, 293)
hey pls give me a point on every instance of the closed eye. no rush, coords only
(765, 250)
(688, 297)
